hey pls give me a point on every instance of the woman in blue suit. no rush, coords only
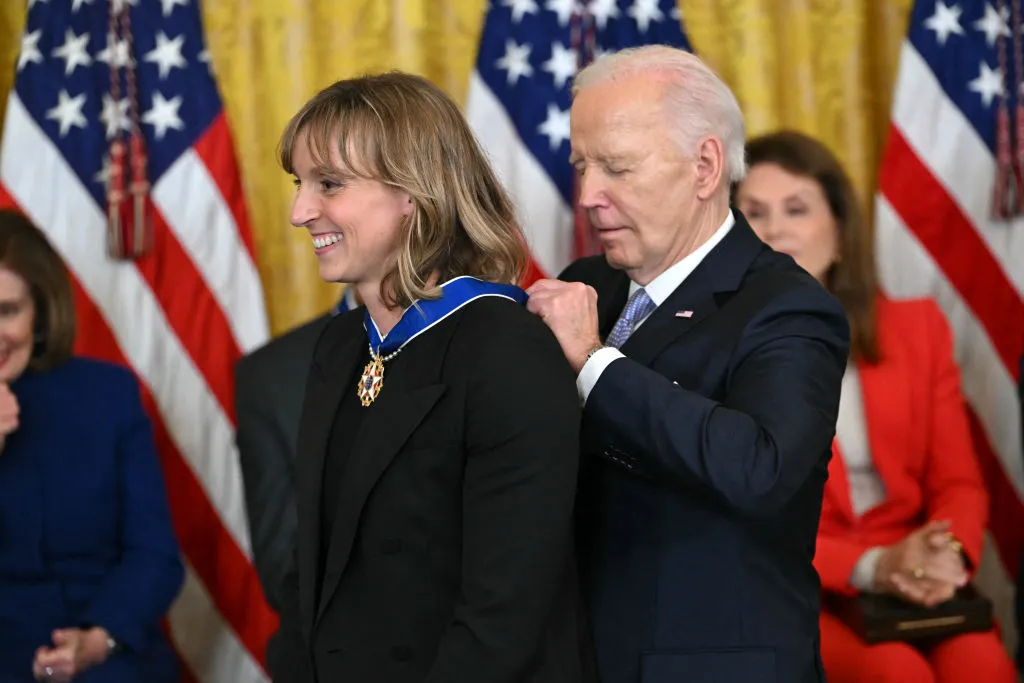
(88, 560)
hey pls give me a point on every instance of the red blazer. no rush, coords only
(920, 445)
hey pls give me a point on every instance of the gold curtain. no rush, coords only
(822, 66)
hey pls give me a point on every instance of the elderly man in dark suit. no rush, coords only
(710, 404)
(270, 383)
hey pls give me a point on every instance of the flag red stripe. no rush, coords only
(227, 574)
(216, 150)
(1005, 506)
(192, 312)
(956, 247)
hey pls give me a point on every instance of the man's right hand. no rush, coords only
(918, 571)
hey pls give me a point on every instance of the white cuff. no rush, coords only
(863, 576)
(592, 369)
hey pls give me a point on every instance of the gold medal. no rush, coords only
(372, 380)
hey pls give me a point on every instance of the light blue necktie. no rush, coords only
(637, 308)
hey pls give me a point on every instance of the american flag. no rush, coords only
(939, 233)
(183, 312)
(519, 96)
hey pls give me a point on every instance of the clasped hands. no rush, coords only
(74, 651)
(925, 568)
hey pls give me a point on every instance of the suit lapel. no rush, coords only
(342, 343)
(411, 389)
(612, 293)
(722, 270)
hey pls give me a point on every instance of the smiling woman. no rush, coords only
(435, 522)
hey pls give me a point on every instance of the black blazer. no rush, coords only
(452, 554)
(706, 453)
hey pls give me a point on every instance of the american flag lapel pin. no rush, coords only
(684, 314)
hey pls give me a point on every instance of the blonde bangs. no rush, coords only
(335, 131)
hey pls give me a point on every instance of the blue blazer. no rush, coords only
(705, 456)
(85, 528)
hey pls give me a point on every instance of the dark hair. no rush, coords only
(25, 251)
(852, 278)
(403, 131)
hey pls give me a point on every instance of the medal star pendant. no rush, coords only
(372, 381)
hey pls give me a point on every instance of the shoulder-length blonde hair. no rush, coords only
(403, 131)
(852, 278)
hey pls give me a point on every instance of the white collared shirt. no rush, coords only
(659, 289)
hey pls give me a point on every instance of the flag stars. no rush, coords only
(516, 61)
(115, 53)
(602, 11)
(644, 12)
(944, 22)
(562, 65)
(168, 6)
(163, 115)
(988, 84)
(993, 24)
(555, 127)
(564, 9)
(204, 58)
(68, 112)
(77, 4)
(167, 54)
(103, 176)
(73, 51)
(114, 115)
(520, 8)
(30, 49)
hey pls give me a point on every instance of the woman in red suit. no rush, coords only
(905, 508)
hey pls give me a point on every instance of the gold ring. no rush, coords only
(918, 573)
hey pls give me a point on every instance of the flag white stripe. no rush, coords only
(196, 212)
(212, 651)
(77, 229)
(545, 217)
(961, 162)
(907, 270)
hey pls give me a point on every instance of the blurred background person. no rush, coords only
(89, 563)
(270, 384)
(905, 507)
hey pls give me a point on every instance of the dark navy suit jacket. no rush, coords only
(85, 529)
(706, 453)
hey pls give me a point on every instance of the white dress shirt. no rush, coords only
(865, 484)
(659, 289)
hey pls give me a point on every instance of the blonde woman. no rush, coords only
(438, 453)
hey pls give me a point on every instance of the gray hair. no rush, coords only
(700, 102)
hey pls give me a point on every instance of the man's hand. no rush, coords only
(74, 651)
(570, 310)
(924, 568)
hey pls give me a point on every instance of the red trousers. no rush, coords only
(969, 658)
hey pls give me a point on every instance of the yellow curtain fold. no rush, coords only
(822, 66)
